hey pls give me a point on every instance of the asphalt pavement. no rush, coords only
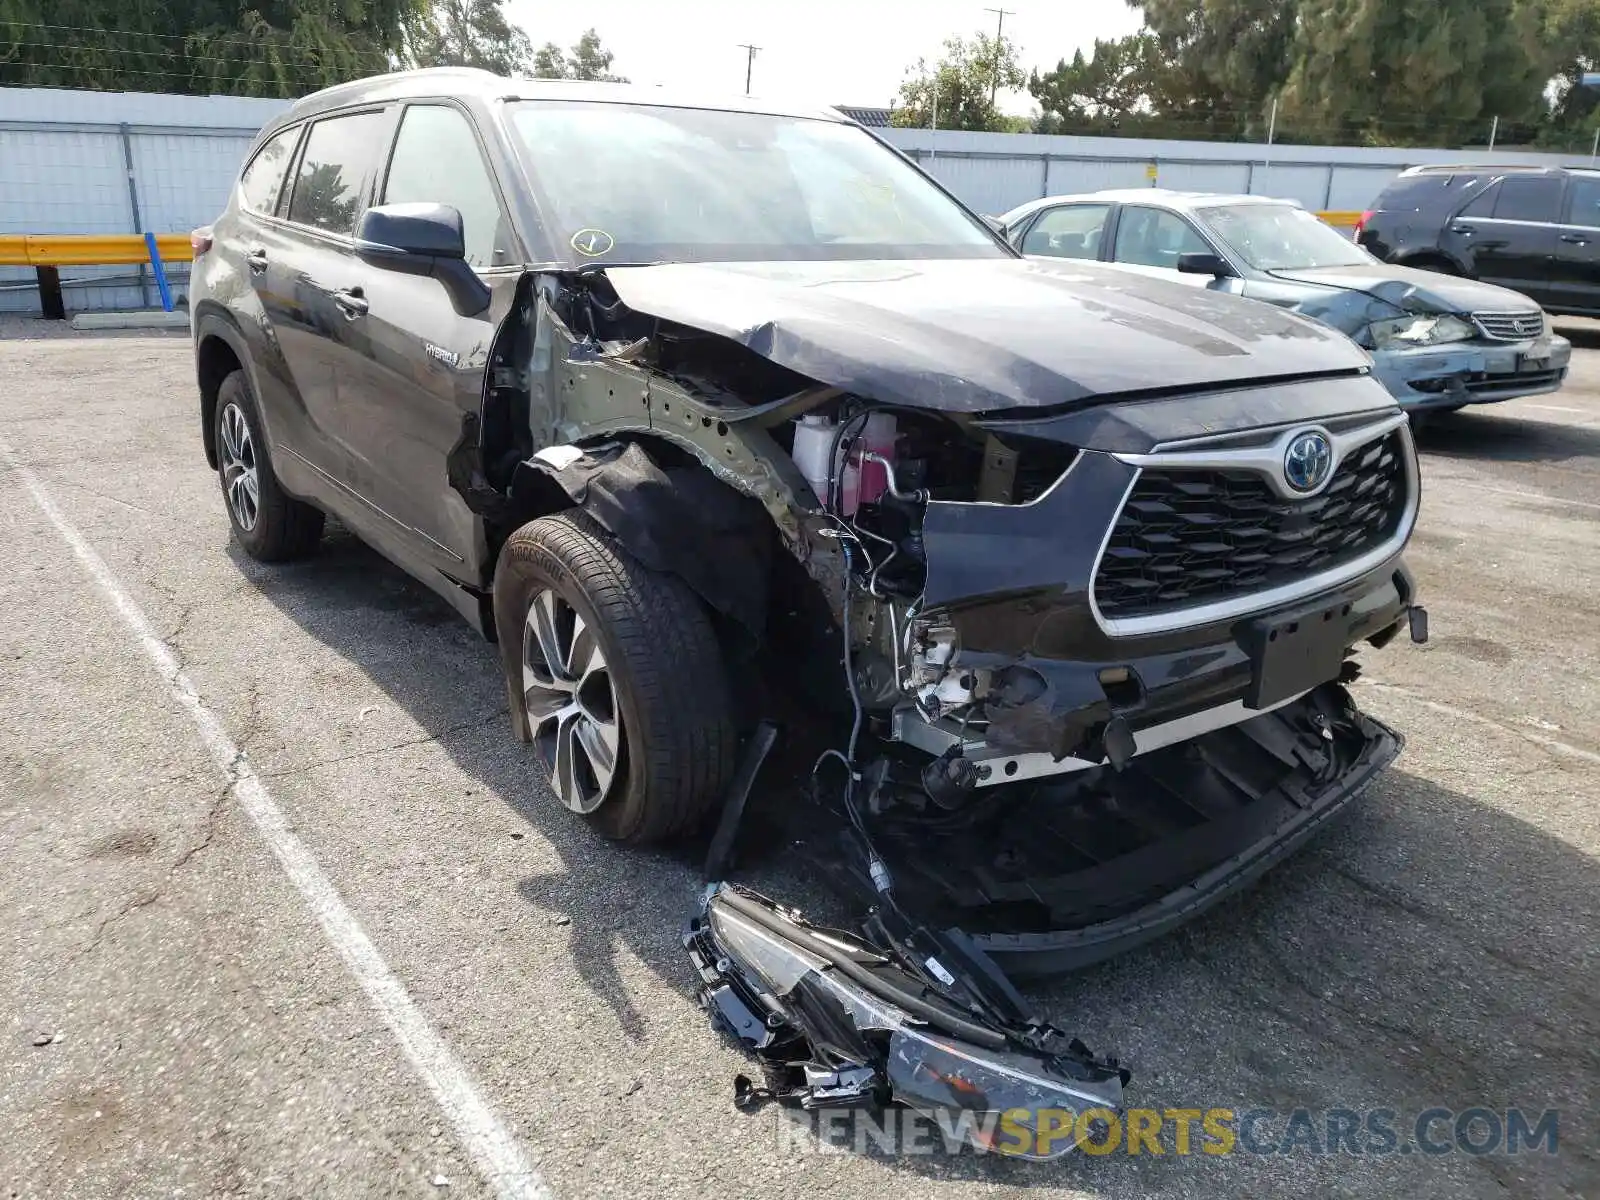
(188, 1011)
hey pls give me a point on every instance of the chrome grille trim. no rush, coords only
(1255, 459)
(1520, 326)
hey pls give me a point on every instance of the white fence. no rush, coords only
(994, 172)
(127, 162)
(114, 162)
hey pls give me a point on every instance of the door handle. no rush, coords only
(352, 303)
(257, 260)
(1463, 230)
(1574, 239)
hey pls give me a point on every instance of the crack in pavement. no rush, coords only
(302, 768)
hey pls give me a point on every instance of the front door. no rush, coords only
(411, 372)
(1575, 281)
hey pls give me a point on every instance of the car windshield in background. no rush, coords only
(642, 183)
(1280, 237)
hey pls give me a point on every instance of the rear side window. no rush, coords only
(1072, 231)
(341, 156)
(436, 160)
(263, 178)
(1483, 203)
(1421, 193)
(1583, 201)
(1528, 198)
(1150, 237)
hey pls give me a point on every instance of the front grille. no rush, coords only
(1189, 537)
(1510, 326)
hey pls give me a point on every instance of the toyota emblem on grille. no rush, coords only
(1528, 326)
(1307, 461)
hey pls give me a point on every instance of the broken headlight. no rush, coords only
(836, 1021)
(1400, 333)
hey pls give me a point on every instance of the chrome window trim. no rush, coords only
(1256, 459)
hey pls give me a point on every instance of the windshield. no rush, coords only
(640, 183)
(1280, 237)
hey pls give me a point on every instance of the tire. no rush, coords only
(270, 524)
(672, 737)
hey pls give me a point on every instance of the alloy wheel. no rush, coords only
(240, 478)
(572, 702)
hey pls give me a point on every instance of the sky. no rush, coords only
(817, 51)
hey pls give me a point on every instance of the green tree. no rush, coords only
(1231, 55)
(1572, 31)
(960, 85)
(469, 33)
(242, 47)
(1371, 71)
(587, 59)
(1125, 87)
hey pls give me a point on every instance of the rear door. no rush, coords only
(1067, 231)
(412, 375)
(310, 270)
(1514, 244)
(1575, 280)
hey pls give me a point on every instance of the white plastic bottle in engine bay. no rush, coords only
(813, 438)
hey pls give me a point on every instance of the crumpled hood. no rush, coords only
(987, 334)
(1414, 291)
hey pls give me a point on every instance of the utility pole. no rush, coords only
(749, 64)
(999, 31)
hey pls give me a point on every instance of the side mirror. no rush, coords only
(1204, 264)
(423, 239)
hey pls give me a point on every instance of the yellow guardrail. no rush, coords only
(88, 249)
(1341, 218)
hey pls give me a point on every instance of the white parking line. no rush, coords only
(1582, 412)
(494, 1149)
(1500, 491)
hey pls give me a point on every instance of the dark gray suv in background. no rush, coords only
(709, 414)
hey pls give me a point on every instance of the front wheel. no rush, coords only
(615, 677)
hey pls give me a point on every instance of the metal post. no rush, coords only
(999, 32)
(933, 128)
(51, 302)
(133, 203)
(160, 269)
(1494, 128)
(1272, 129)
(1595, 149)
(749, 64)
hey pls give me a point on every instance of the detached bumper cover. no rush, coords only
(1473, 372)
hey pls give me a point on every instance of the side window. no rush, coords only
(1482, 204)
(1528, 198)
(1583, 201)
(436, 160)
(341, 156)
(263, 178)
(1149, 237)
(1070, 231)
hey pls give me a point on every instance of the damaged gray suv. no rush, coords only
(719, 417)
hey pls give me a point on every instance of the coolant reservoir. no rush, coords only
(813, 438)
